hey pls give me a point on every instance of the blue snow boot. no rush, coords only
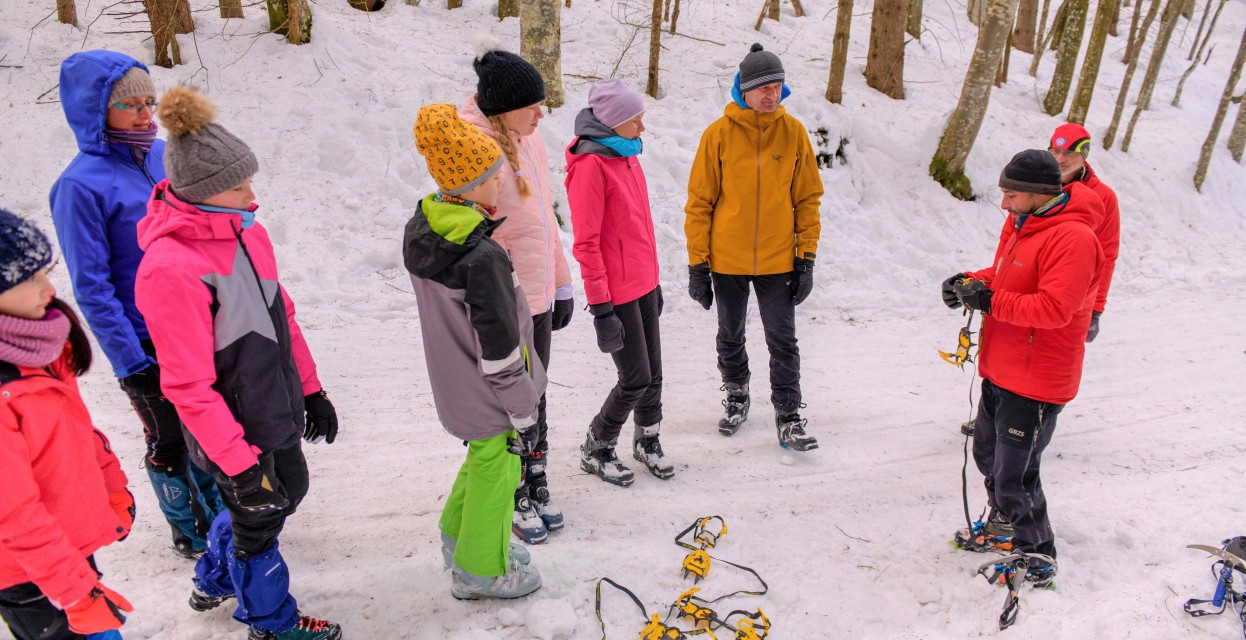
(538, 489)
(174, 496)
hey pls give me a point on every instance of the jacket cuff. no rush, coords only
(564, 292)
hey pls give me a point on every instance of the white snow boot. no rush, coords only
(647, 449)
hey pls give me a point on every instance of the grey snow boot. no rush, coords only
(598, 458)
(736, 408)
(647, 449)
(518, 581)
(998, 524)
(792, 432)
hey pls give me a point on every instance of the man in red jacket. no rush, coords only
(1070, 144)
(1036, 301)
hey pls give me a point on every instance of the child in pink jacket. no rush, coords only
(233, 362)
(507, 108)
(615, 246)
(63, 495)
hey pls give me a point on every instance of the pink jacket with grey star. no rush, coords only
(232, 358)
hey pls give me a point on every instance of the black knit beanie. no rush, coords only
(1032, 171)
(759, 68)
(506, 81)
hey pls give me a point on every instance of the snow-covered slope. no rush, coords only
(852, 538)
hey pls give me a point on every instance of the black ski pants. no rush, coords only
(639, 365)
(1009, 437)
(254, 532)
(778, 318)
(29, 614)
(162, 428)
(542, 337)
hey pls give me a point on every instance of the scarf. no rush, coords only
(139, 140)
(33, 343)
(626, 147)
(484, 209)
(248, 215)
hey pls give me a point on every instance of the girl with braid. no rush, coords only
(507, 108)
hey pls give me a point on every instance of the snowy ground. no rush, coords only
(852, 538)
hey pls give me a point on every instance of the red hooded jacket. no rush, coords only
(1045, 278)
(1107, 230)
(56, 471)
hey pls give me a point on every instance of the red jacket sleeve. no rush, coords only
(1067, 267)
(1109, 235)
(586, 195)
(28, 532)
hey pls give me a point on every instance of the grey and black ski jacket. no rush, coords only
(475, 322)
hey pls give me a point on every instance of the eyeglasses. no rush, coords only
(150, 106)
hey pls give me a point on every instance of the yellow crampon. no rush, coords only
(655, 630)
(698, 564)
(747, 629)
(964, 342)
(689, 609)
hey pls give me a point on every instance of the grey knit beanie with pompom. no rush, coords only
(202, 158)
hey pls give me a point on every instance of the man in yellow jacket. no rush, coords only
(752, 219)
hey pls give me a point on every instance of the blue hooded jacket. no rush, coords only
(96, 204)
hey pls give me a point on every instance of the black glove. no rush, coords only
(1094, 326)
(949, 291)
(974, 294)
(802, 279)
(562, 313)
(699, 286)
(608, 326)
(145, 383)
(524, 442)
(258, 491)
(321, 418)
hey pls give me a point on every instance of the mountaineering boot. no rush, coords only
(518, 554)
(647, 449)
(518, 581)
(736, 408)
(979, 540)
(307, 628)
(174, 496)
(998, 524)
(598, 458)
(792, 433)
(538, 489)
(525, 523)
(1041, 574)
(201, 601)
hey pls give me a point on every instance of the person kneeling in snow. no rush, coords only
(1036, 301)
(234, 363)
(482, 364)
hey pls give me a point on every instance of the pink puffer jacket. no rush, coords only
(530, 233)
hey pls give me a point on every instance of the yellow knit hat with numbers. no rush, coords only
(460, 157)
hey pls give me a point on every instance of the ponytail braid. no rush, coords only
(512, 154)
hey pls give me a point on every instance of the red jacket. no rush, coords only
(1107, 230)
(56, 471)
(614, 241)
(1045, 278)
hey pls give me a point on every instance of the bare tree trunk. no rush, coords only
(1132, 44)
(1090, 65)
(540, 42)
(508, 9)
(947, 166)
(914, 27)
(674, 16)
(160, 15)
(1132, 66)
(1204, 159)
(1187, 9)
(1166, 25)
(1116, 18)
(1040, 44)
(655, 48)
(884, 65)
(800, 9)
(66, 12)
(839, 52)
(454, 4)
(231, 9)
(772, 11)
(182, 21)
(1176, 99)
(977, 11)
(290, 18)
(1066, 56)
(1198, 36)
(1237, 137)
(1023, 33)
(1001, 76)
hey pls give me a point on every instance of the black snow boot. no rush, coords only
(647, 449)
(598, 458)
(736, 408)
(792, 432)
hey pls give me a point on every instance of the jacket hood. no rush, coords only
(168, 215)
(440, 233)
(87, 79)
(751, 119)
(1082, 206)
(587, 126)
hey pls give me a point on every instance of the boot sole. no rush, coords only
(527, 540)
(620, 482)
(808, 447)
(481, 596)
(728, 429)
(201, 606)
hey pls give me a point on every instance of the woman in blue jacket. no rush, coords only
(109, 99)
